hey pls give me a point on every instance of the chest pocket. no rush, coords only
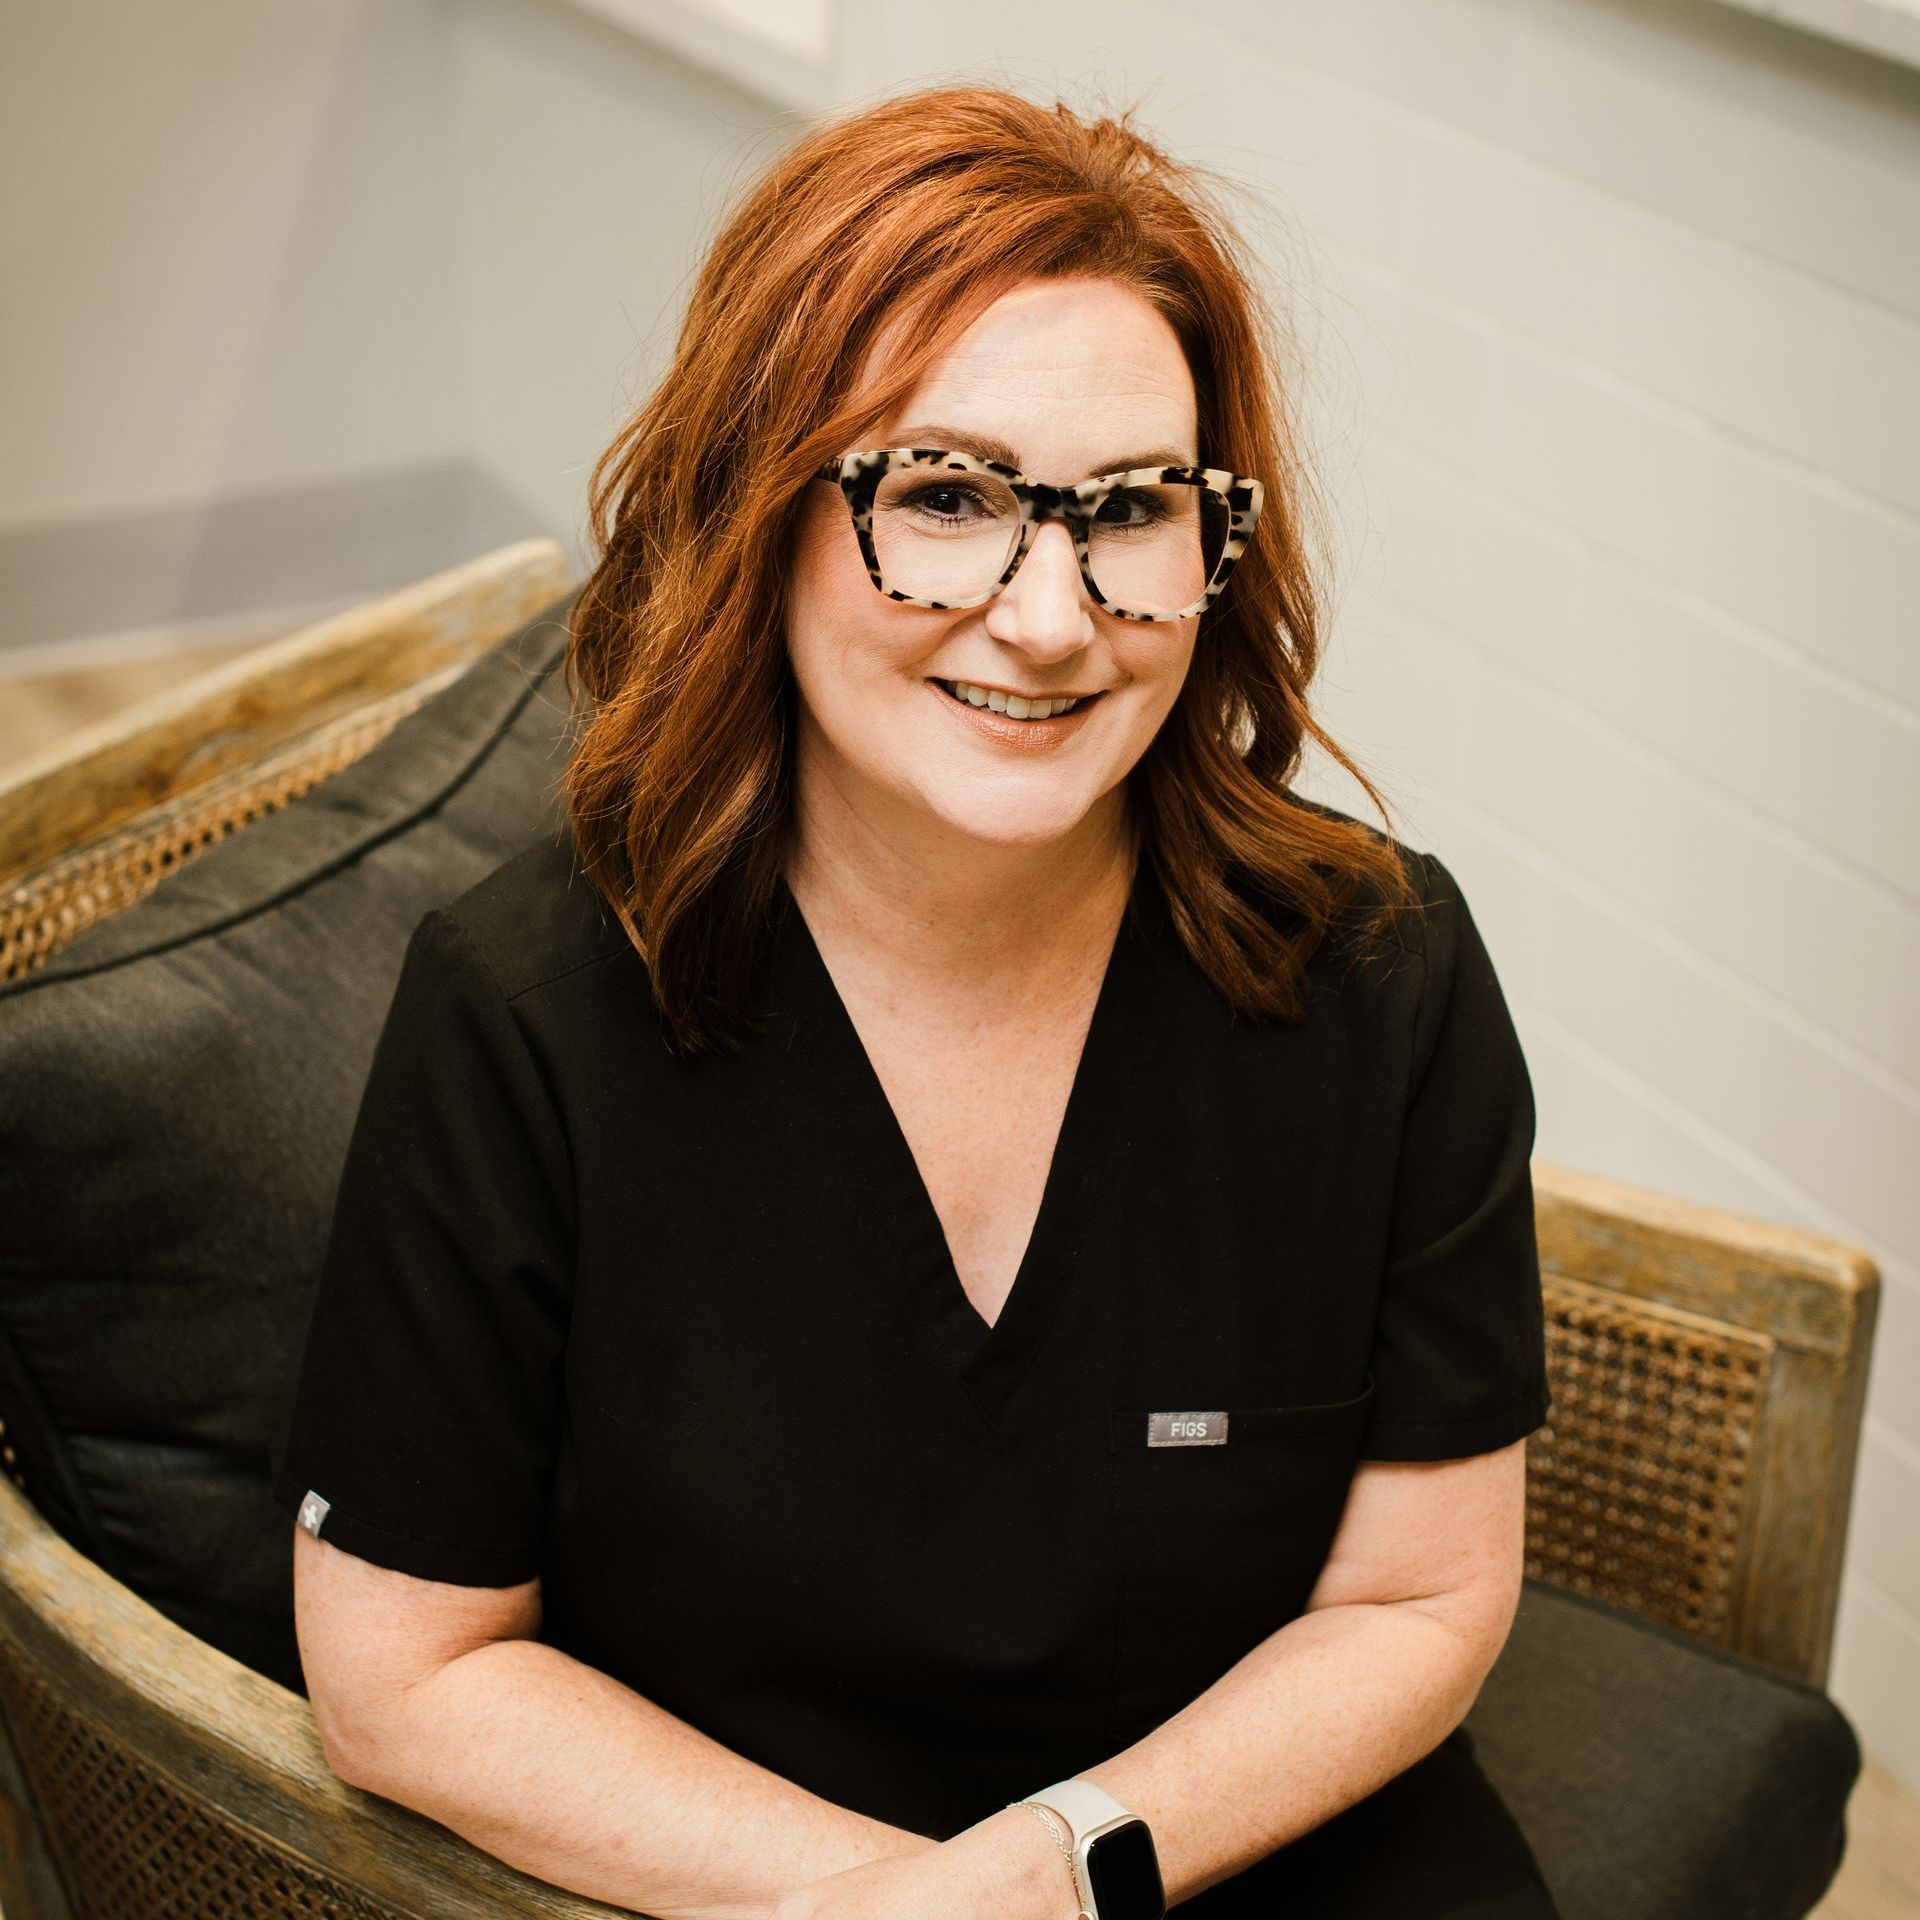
(1216, 1543)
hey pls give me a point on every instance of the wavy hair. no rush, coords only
(921, 210)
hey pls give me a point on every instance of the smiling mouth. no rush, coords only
(1013, 706)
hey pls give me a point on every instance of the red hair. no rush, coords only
(924, 209)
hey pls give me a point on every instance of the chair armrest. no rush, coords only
(154, 1761)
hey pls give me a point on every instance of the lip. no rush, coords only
(1015, 693)
(1030, 736)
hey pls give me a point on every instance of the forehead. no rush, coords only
(1066, 373)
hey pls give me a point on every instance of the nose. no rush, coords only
(1044, 608)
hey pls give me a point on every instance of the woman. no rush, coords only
(933, 1310)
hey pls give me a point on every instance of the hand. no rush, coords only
(1005, 1867)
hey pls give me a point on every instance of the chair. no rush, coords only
(1686, 1507)
(1657, 1720)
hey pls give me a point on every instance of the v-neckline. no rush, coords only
(990, 1361)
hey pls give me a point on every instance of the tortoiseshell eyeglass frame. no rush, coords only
(858, 477)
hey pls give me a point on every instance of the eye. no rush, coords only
(914, 503)
(943, 500)
(1130, 507)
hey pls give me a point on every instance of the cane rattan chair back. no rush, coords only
(102, 818)
(1709, 1374)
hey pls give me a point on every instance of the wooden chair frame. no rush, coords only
(1743, 1345)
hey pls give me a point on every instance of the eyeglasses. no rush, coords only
(949, 530)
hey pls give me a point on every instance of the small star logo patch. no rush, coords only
(313, 1510)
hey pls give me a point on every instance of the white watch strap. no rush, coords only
(1081, 1804)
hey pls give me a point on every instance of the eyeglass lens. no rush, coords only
(942, 535)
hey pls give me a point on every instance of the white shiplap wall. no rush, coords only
(1614, 315)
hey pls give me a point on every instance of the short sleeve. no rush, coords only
(427, 1409)
(1458, 1358)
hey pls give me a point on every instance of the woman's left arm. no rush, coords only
(1405, 1621)
(1407, 1617)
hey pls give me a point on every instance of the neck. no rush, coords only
(968, 918)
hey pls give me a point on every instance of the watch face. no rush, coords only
(1123, 1874)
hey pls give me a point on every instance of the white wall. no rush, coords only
(229, 261)
(593, 168)
(304, 298)
(1617, 321)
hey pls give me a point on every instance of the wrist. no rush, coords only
(880, 1842)
(1023, 1862)
(1113, 1863)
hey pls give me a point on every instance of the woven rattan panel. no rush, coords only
(130, 1845)
(45, 909)
(1637, 1486)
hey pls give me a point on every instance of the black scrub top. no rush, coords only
(684, 1340)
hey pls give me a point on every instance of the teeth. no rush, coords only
(1010, 704)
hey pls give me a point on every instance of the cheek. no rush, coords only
(824, 579)
(844, 638)
(1157, 660)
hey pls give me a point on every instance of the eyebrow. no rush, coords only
(985, 446)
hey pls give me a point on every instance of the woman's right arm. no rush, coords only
(439, 1696)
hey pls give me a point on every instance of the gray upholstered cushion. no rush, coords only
(1660, 1779)
(180, 1082)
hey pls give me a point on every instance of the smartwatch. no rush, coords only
(1115, 1869)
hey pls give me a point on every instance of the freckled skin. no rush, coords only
(1069, 373)
(965, 893)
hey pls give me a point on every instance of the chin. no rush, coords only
(979, 818)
